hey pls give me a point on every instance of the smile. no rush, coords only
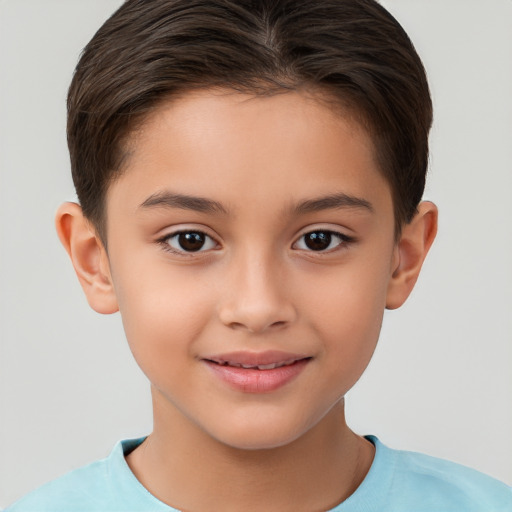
(270, 366)
(257, 373)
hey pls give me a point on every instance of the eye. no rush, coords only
(188, 241)
(321, 241)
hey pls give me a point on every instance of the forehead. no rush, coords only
(241, 149)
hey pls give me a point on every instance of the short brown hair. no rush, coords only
(151, 50)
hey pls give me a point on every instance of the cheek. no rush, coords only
(163, 315)
(347, 315)
(351, 331)
(348, 297)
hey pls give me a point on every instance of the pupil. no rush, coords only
(191, 241)
(318, 240)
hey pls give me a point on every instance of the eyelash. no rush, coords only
(164, 241)
(344, 240)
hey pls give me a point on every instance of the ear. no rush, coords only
(410, 252)
(88, 256)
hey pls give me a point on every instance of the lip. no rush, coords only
(243, 370)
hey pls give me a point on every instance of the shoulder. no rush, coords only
(422, 482)
(78, 490)
(107, 484)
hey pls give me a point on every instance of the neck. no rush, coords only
(186, 468)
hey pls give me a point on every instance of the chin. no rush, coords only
(257, 442)
(257, 435)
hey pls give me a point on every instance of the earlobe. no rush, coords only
(88, 256)
(415, 241)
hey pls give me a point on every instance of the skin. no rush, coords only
(254, 286)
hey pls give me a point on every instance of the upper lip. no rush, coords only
(271, 358)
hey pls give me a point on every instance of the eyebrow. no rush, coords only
(184, 202)
(331, 202)
(203, 205)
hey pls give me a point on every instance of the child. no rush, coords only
(250, 177)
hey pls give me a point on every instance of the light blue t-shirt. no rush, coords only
(398, 481)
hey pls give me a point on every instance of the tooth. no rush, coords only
(270, 366)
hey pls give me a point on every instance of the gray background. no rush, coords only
(441, 379)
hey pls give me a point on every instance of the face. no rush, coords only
(251, 245)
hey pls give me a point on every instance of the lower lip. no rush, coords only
(250, 380)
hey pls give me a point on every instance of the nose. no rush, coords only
(255, 296)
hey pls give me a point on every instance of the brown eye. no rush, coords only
(322, 241)
(189, 241)
(318, 240)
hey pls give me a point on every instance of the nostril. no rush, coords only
(237, 325)
(256, 328)
(256, 316)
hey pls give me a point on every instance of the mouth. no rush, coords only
(268, 366)
(257, 372)
(268, 360)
